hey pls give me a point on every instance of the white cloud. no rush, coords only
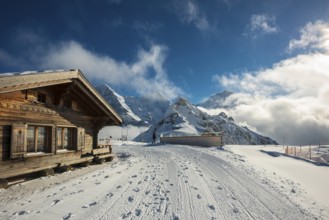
(146, 75)
(314, 36)
(190, 13)
(289, 100)
(261, 24)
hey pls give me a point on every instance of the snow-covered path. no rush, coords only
(162, 182)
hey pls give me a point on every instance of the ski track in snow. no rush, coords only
(162, 182)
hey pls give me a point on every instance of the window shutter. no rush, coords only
(18, 141)
(80, 138)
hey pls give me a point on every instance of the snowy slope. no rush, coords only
(139, 111)
(118, 103)
(149, 109)
(216, 101)
(183, 118)
(171, 182)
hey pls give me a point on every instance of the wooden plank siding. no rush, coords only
(36, 114)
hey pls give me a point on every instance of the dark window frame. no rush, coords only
(38, 139)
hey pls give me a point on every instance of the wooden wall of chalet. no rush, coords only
(23, 107)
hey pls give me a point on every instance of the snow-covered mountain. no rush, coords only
(140, 111)
(183, 118)
(118, 102)
(178, 118)
(216, 101)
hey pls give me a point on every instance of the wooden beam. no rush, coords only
(33, 85)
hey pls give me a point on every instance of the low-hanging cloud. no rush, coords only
(146, 74)
(288, 102)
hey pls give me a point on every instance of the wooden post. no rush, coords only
(95, 138)
(310, 153)
(295, 151)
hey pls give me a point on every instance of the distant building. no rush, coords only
(49, 119)
(208, 139)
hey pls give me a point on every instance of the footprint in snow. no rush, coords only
(109, 195)
(138, 212)
(24, 212)
(51, 195)
(136, 189)
(68, 216)
(131, 198)
(175, 217)
(126, 215)
(118, 187)
(91, 204)
(56, 201)
(235, 210)
(211, 207)
(198, 196)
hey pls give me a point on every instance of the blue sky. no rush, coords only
(264, 51)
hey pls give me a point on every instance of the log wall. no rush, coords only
(24, 107)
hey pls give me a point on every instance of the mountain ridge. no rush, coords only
(178, 118)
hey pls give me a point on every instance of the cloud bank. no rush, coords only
(146, 74)
(288, 102)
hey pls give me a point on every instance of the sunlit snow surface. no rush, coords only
(176, 182)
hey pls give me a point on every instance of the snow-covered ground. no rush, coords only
(177, 182)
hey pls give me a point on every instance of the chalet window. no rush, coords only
(65, 138)
(41, 97)
(38, 138)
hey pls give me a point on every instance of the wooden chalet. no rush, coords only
(48, 120)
